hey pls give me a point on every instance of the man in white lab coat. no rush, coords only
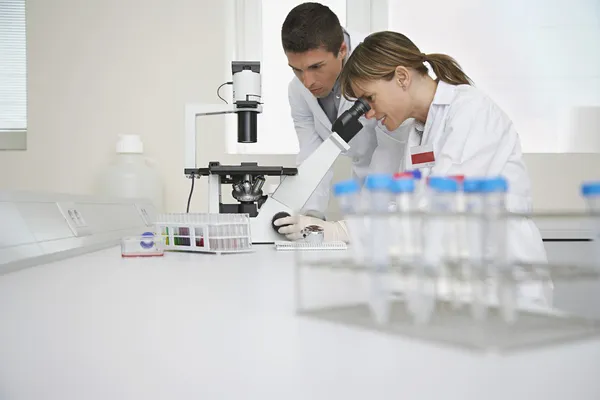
(316, 47)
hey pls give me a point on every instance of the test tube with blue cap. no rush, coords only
(475, 273)
(378, 194)
(591, 193)
(432, 271)
(347, 194)
(495, 246)
(406, 237)
(442, 200)
(377, 188)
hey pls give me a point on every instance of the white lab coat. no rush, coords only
(313, 127)
(472, 136)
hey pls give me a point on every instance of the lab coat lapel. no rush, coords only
(415, 138)
(344, 105)
(317, 110)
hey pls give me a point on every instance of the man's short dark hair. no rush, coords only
(311, 26)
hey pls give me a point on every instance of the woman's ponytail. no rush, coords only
(378, 56)
(447, 69)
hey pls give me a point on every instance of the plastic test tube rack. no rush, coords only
(443, 304)
(203, 232)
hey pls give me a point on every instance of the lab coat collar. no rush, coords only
(419, 126)
(443, 94)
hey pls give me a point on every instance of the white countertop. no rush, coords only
(198, 326)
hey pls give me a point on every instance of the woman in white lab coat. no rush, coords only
(466, 131)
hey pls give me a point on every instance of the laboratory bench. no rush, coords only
(204, 326)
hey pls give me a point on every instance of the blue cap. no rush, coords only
(417, 174)
(147, 241)
(402, 185)
(590, 188)
(472, 185)
(348, 186)
(497, 184)
(378, 182)
(442, 184)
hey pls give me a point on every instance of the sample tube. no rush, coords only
(591, 193)
(404, 234)
(406, 238)
(347, 194)
(438, 241)
(379, 195)
(495, 250)
(475, 273)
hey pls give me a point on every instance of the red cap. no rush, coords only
(401, 175)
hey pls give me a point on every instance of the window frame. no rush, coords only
(361, 15)
(16, 138)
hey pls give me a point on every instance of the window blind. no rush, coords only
(13, 66)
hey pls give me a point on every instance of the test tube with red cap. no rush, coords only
(403, 175)
(458, 178)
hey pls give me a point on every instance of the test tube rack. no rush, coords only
(204, 232)
(471, 304)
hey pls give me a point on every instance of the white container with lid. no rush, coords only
(132, 175)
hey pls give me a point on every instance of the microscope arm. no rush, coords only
(192, 111)
(294, 191)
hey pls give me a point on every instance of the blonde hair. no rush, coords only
(380, 53)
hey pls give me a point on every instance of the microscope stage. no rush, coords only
(229, 172)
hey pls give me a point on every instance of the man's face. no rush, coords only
(317, 69)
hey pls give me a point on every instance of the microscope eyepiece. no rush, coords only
(347, 125)
(360, 107)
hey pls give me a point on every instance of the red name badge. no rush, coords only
(422, 156)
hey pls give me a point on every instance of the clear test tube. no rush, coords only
(378, 200)
(443, 195)
(475, 273)
(347, 194)
(459, 248)
(439, 237)
(405, 233)
(399, 175)
(405, 237)
(495, 247)
(378, 197)
(420, 189)
(591, 193)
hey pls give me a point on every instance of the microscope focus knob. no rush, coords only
(281, 214)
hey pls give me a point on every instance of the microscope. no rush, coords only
(247, 179)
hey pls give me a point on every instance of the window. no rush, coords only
(257, 37)
(538, 59)
(13, 86)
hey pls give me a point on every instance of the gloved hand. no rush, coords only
(333, 231)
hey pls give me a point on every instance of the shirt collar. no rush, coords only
(419, 126)
(443, 94)
(347, 40)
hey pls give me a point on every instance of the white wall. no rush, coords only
(98, 68)
(538, 59)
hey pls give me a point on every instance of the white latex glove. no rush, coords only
(333, 231)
